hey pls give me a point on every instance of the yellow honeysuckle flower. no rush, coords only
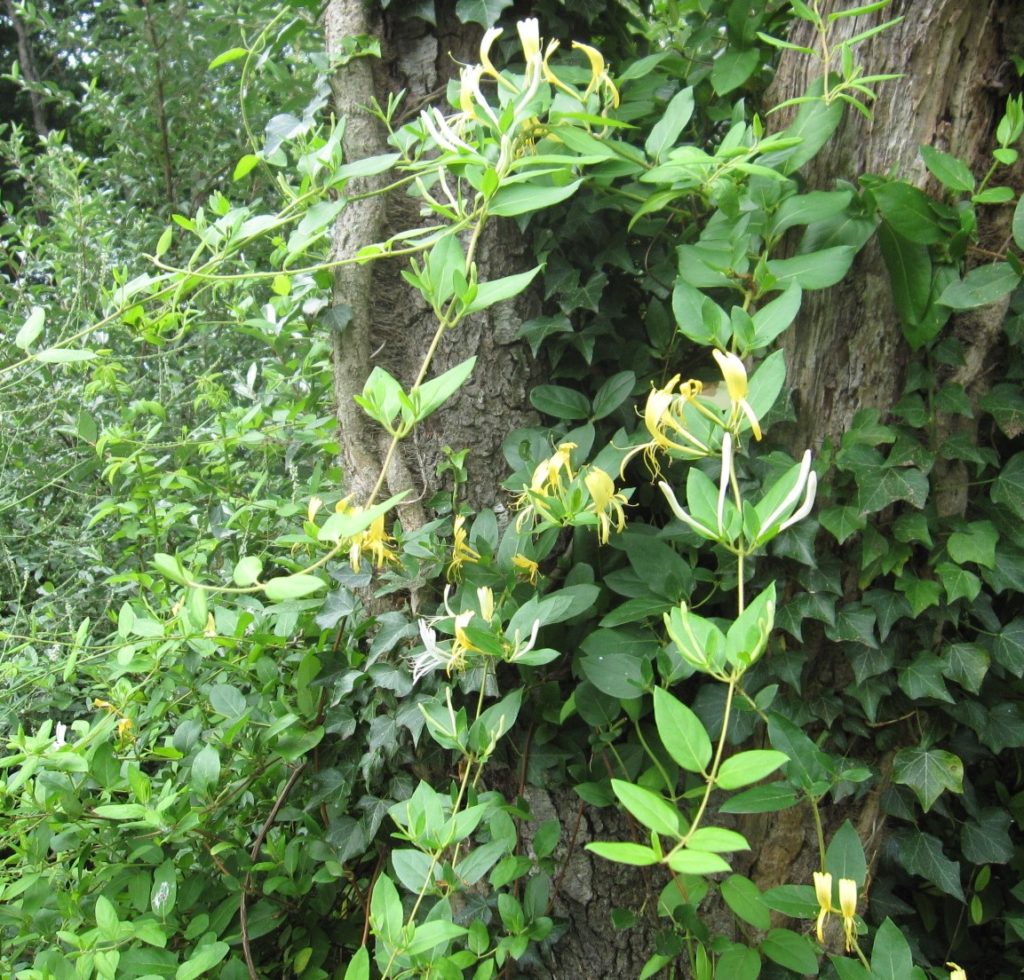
(315, 503)
(461, 551)
(607, 503)
(529, 37)
(666, 424)
(599, 74)
(106, 705)
(957, 972)
(527, 565)
(124, 728)
(823, 893)
(490, 36)
(550, 77)
(735, 375)
(548, 475)
(848, 906)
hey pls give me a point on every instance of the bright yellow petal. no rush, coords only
(734, 373)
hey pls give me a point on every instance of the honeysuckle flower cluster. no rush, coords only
(461, 551)
(847, 906)
(467, 649)
(559, 497)
(373, 542)
(511, 111)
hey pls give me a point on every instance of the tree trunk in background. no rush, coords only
(846, 351)
(28, 70)
(390, 324)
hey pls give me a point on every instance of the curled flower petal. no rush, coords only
(684, 516)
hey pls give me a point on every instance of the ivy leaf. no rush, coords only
(958, 582)
(976, 544)
(986, 839)
(842, 522)
(923, 678)
(1004, 727)
(896, 483)
(1009, 486)
(483, 12)
(966, 664)
(928, 772)
(921, 855)
(1008, 648)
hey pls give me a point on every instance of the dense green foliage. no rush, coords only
(254, 725)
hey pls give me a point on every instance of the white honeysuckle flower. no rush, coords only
(723, 483)
(470, 81)
(806, 484)
(529, 37)
(677, 509)
(442, 133)
(519, 650)
(59, 740)
(432, 657)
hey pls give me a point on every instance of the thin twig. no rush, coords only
(243, 911)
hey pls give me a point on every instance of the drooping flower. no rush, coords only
(547, 477)
(607, 503)
(599, 74)
(485, 598)
(315, 503)
(60, 740)
(957, 972)
(665, 420)
(461, 551)
(372, 541)
(806, 484)
(848, 906)
(823, 893)
(735, 375)
(528, 565)
(684, 516)
(432, 657)
(529, 37)
(490, 36)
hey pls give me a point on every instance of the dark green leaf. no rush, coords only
(486, 13)
(981, 286)
(732, 68)
(792, 951)
(560, 402)
(815, 270)
(921, 854)
(949, 170)
(928, 772)
(908, 210)
(890, 954)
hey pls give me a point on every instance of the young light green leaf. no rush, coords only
(232, 54)
(745, 899)
(950, 171)
(30, 330)
(202, 961)
(247, 571)
(693, 862)
(170, 566)
(497, 290)
(524, 198)
(359, 966)
(666, 130)
(748, 767)
(624, 853)
(653, 811)
(432, 394)
(681, 732)
(64, 355)
(293, 587)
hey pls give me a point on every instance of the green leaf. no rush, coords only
(718, 840)
(612, 394)
(206, 769)
(977, 544)
(170, 566)
(958, 582)
(293, 587)
(981, 286)
(909, 209)
(693, 862)
(523, 198)
(844, 857)
(1008, 648)
(748, 767)
(746, 901)
(497, 290)
(346, 525)
(432, 394)
(1018, 224)
(1008, 489)
(910, 279)
(948, 170)
(890, 955)
(882, 487)
(803, 209)
(923, 678)
(653, 811)
(682, 733)
(232, 54)
(386, 910)
(732, 68)
(64, 355)
(966, 664)
(560, 402)
(106, 918)
(203, 959)
(666, 130)
(246, 164)
(791, 950)
(928, 772)
(247, 571)
(625, 853)
(359, 966)
(164, 892)
(776, 316)
(28, 333)
(814, 125)
(842, 522)
(486, 13)
(761, 799)
(815, 270)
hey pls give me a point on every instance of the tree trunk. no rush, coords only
(28, 70)
(390, 325)
(846, 351)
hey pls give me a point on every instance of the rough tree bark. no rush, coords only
(846, 351)
(27, 63)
